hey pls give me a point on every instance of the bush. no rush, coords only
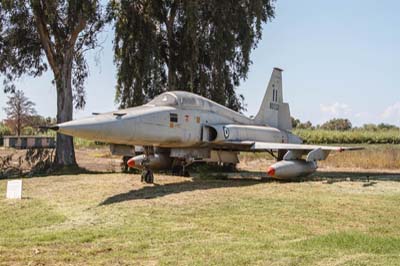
(4, 131)
(337, 124)
(28, 131)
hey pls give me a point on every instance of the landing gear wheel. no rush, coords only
(179, 170)
(147, 176)
(176, 170)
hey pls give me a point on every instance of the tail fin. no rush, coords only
(273, 111)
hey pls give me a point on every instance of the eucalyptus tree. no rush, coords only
(36, 34)
(193, 45)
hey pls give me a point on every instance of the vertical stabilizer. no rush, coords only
(273, 111)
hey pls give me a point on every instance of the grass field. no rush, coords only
(113, 219)
(373, 157)
(355, 136)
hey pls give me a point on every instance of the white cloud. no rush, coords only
(392, 111)
(336, 109)
(362, 115)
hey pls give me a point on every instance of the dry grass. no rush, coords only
(373, 157)
(112, 219)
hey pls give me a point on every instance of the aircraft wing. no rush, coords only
(260, 146)
(296, 151)
(268, 146)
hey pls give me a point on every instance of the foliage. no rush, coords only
(37, 121)
(337, 124)
(305, 125)
(28, 131)
(356, 136)
(296, 123)
(381, 126)
(4, 131)
(52, 29)
(8, 168)
(40, 32)
(85, 143)
(198, 46)
(39, 160)
(18, 109)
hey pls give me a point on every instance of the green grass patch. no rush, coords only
(25, 214)
(352, 242)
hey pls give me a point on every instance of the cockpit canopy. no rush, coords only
(165, 99)
(190, 101)
(182, 99)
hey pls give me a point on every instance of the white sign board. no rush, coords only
(14, 189)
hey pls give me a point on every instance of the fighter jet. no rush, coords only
(179, 128)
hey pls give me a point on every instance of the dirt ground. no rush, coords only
(92, 159)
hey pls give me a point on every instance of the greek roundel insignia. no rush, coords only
(226, 132)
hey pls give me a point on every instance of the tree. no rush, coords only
(383, 126)
(38, 33)
(295, 122)
(337, 124)
(198, 46)
(38, 121)
(19, 109)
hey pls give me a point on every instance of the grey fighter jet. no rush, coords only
(179, 128)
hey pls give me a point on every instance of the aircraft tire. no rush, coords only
(147, 177)
(179, 170)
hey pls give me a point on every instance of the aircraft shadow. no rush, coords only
(156, 191)
(248, 179)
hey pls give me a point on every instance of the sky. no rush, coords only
(341, 59)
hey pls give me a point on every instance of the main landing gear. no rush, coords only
(179, 168)
(147, 176)
(147, 173)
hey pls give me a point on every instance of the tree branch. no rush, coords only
(45, 39)
(75, 33)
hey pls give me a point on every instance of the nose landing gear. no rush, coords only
(147, 176)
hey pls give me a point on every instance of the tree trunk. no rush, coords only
(172, 78)
(65, 153)
(18, 126)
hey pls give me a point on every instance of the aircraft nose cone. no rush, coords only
(131, 163)
(105, 128)
(271, 171)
